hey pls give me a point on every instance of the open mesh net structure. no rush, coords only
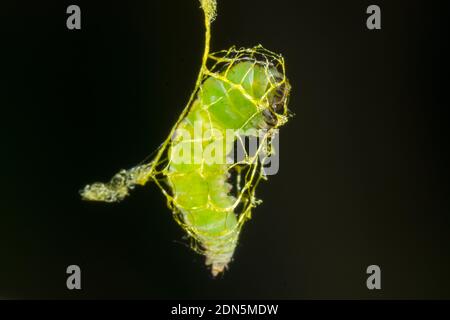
(245, 174)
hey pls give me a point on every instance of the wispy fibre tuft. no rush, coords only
(210, 9)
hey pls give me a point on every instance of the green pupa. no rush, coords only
(237, 90)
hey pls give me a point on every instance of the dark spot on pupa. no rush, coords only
(280, 97)
(269, 118)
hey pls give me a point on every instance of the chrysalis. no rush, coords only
(238, 90)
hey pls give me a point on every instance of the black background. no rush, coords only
(363, 174)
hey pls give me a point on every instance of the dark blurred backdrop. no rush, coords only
(364, 164)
